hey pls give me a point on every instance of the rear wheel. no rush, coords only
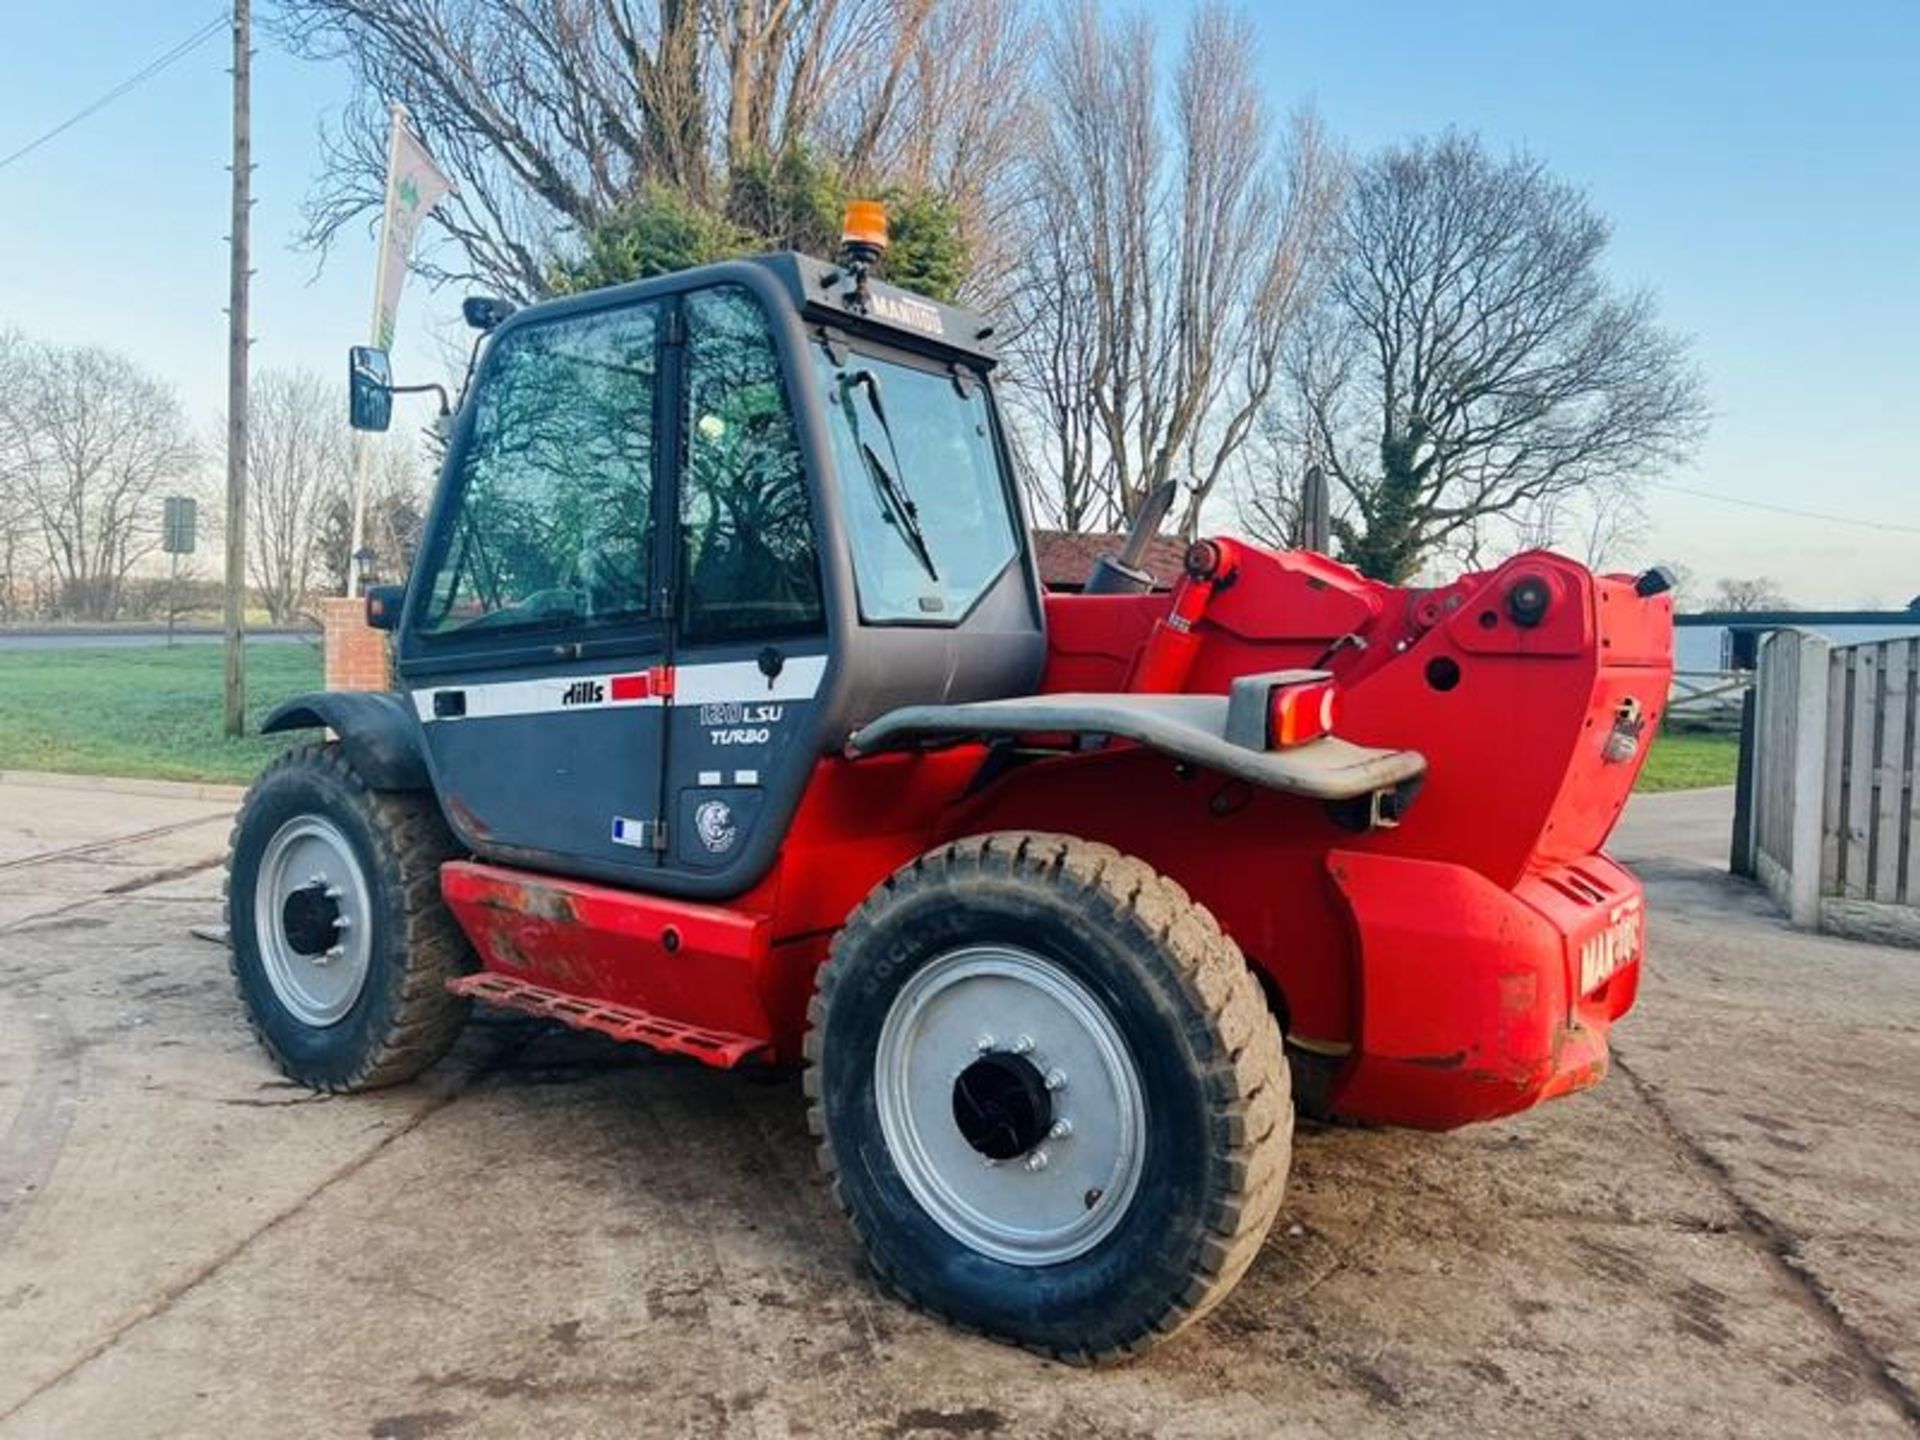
(341, 945)
(1050, 1094)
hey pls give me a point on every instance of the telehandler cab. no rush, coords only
(732, 720)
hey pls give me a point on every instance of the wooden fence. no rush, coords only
(1835, 783)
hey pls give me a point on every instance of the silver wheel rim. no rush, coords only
(1063, 1195)
(312, 919)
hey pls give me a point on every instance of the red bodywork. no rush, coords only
(1462, 965)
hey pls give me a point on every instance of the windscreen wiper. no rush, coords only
(893, 493)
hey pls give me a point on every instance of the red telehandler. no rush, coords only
(732, 720)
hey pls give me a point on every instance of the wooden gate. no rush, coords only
(1870, 829)
(1835, 810)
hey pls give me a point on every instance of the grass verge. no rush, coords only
(155, 713)
(143, 710)
(1682, 760)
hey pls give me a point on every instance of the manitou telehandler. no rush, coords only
(732, 720)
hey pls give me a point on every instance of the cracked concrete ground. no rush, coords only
(551, 1235)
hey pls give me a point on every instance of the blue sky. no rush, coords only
(1760, 162)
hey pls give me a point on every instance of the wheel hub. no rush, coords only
(1002, 1105)
(312, 919)
(1026, 1149)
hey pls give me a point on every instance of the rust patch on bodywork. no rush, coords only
(463, 816)
(537, 902)
(544, 903)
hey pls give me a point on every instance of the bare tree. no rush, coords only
(1267, 494)
(1746, 596)
(1469, 360)
(91, 441)
(395, 519)
(1595, 525)
(551, 114)
(1058, 319)
(957, 124)
(1173, 239)
(298, 463)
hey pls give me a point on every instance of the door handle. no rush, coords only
(449, 704)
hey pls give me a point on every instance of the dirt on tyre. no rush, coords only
(1049, 1093)
(341, 945)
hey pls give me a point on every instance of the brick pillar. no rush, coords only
(356, 652)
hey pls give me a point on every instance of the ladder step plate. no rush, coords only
(718, 1048)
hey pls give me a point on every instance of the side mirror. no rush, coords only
(383, 605)
(369, 388)
(484, 312)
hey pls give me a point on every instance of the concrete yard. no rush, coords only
(550, 1235)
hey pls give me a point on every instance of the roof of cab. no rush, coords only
(826, 292)
(821, 292)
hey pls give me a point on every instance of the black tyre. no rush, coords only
(341, 945)
(1050, 1094)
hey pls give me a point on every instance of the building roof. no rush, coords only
(1067, 557)
(1779, 619)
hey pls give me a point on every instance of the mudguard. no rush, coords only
(1193, 728)
(377, 729)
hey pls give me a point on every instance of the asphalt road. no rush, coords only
(87, 639)
(549, 1235)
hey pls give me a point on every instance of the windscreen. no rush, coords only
(927, 508)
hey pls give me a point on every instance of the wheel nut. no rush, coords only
(334, 892)
(1056, 1080)
(1037, 1161)
(1024, 1045)
(983, 1044)
(1060, 1129)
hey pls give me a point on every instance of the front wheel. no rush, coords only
(1050, 1094)
(342, 946)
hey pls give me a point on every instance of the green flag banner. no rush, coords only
(414, 186)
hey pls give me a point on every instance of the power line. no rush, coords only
(1787, 509)
(153, 68)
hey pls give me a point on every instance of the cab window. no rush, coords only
(748, 564)
(554, 517)
(928, 506)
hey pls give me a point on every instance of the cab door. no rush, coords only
(750, 643)
(534, 643)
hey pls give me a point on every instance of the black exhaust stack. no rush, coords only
(1124, 574)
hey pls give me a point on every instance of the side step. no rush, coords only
(718, 1048)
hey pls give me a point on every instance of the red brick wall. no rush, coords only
(356, 652)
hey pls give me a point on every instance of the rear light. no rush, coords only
(1300, 712)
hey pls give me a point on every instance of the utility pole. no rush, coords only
(236, 597)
